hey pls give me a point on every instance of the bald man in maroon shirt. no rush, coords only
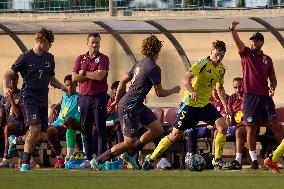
(258, 104)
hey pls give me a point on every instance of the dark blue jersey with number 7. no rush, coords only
(35, 71)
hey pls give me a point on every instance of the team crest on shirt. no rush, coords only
(84, 59)
(34, 117)
(264, 60)
(97, 60)
(47, 64)
(17, 101)
(239, 116)
(249, 119)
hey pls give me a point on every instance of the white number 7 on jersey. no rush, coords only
(40, 74)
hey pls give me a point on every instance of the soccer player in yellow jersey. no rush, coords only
(199, 81)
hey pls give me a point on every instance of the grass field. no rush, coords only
(175, 179)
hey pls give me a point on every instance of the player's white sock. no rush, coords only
(70, 151)
(15, 140)
(239, 158)
(253, 155)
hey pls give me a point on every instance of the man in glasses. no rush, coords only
(36, 66)
(258, 104)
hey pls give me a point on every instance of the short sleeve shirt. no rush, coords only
(257, 68)
(218, 104)
(144, 75)
(99, 62)
(36, 71)
(5, 107)
(206, 75)
(236, 106)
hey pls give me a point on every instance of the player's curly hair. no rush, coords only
(46, 34)
(219, 45)
(151, 46)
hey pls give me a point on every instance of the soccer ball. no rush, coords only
(196, 163)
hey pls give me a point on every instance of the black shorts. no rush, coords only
(61, 131)
(35, 114)
(258, 108)
(19, 127)
(188, 116)
(130, 119)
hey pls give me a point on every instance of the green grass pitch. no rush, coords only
(128, 179)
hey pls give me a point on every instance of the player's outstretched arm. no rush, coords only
(161, 92)
(9, 75)
(240, 45)
(222, 94)
(54, 110)
(273, 84)
(2, 118)
(120, 90)
(56, 84)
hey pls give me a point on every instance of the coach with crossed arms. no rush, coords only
(91, 71)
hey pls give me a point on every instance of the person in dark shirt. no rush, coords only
(258, 104)
(2, 140)
(217, 103)
(36, 67)
(234, 122)
(13, 122)
(131, 110)
(112, 122)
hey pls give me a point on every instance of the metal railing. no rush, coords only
(135, 5)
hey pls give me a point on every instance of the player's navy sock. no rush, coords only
(192, 141)
(119, 137)
(27, 157)
(137, 147)
(54, 144)
(105, 156)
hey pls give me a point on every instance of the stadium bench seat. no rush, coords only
(170, 117)
(159, 112)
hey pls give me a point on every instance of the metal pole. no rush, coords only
(216, 3)
(110, 7)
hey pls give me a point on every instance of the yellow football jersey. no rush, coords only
(206, 75)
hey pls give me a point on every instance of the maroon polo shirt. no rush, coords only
(256, 70)
(217, 103)
(235, 104)
(99, 62)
